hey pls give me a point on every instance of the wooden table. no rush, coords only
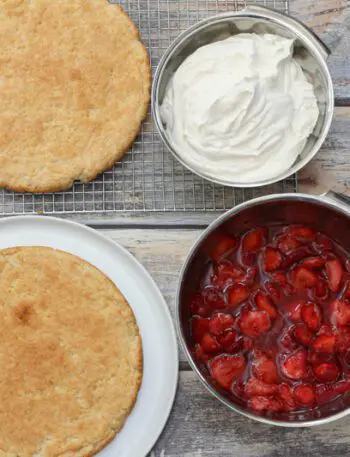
(199, 426)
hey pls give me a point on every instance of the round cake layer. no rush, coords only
(70, 355)
(74, 89)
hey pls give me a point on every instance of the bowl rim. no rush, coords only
(333, 205)
(280, 19)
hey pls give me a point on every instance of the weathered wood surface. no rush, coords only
(332, 163)
(162, 252)
(330, 19)
(199, 426)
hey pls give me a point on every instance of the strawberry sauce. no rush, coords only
(270, 320)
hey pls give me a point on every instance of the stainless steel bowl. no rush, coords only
(309, 50)
(329, 216)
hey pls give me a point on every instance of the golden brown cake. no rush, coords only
(74, 89)
(70, 355)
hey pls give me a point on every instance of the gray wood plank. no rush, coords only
(332, 160)
(200, 426)
(330, 19)
(162, 253)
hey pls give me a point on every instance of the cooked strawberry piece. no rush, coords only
(227, 368)
(317, 357)
(220, 322)
(326, 372)
(264, 369)
(303, 335)
(320, 291)
(254, 240)
(272, 259)
(226, 272)
(325, 329)
(302, 233)
(273, 291)
(237, 388)
(229, 269)
(200, 354)
(199, 326)
(237, 272)
(229, 341)
(222, 246)
(288, 290)
(250, 276)
(295, 256)
(285, 392)
(248, 259)
(327, 393)
(311, 315)
(305, 394)
(270, 404)
(313, 262)
(335, 272)
(209, 344)
(295, 366)
(287, 243)
(276, 405)
(236, 294)
(279, 277)
(212, 298)
(264, 303)
(248, 344)
(325, 343)
(287, 339)
(259, 404)
(342, 339)
(295, 311)
(340, 313)
(255, 387)
(198, 307)
(302, 278)
(254, 323)
(323, 243)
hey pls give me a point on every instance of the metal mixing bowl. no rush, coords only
(309, 51)
(323, 214)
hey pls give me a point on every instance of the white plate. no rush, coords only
(158, 388)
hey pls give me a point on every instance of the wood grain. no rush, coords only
(331, 166)
(161, 251)
(319, 14)
(330, 19)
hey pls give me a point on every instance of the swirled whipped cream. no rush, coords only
(241, 109)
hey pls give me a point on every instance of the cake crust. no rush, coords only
(74, 89)
(70, 355)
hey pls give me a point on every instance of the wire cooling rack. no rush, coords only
(149, 179)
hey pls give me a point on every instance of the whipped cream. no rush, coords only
(241, 109)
